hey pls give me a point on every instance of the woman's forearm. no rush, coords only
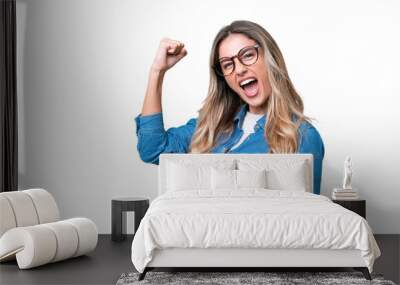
(152, 100)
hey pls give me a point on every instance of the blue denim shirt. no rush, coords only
(153, 140)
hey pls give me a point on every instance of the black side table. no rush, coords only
(119, 207)
(357, 206)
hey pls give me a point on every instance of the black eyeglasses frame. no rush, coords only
(217, 65)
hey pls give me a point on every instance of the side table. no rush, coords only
(357, 206)
(119, 207)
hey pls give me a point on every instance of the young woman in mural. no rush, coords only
(251, 106)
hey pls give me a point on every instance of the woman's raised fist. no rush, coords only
(168, 54)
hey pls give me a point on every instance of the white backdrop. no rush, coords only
(82, 76)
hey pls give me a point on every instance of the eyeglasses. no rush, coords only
(247, 56)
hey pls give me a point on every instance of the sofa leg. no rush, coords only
(364, 271)
(142, 275)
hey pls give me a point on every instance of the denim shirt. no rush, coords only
(153, 140)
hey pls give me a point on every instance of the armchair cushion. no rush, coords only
(40, 244)
(31, 231)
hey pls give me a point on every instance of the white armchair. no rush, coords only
(31, 230)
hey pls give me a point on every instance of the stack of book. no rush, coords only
(344, 194)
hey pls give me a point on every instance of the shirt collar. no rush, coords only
(239, 117)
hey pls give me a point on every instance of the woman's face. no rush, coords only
(254, 94)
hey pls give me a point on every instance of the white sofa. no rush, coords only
(32, 233)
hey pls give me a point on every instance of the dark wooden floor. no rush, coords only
(102, 266)
(111, 259)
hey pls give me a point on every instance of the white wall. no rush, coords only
(83, 65)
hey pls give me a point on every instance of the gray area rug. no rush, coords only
(229, 278)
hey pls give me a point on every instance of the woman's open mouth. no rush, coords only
(250, 87)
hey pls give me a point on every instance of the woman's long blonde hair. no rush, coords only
(222, 103)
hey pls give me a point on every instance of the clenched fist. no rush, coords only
(168, 54)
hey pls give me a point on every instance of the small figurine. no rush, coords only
(348, 172)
